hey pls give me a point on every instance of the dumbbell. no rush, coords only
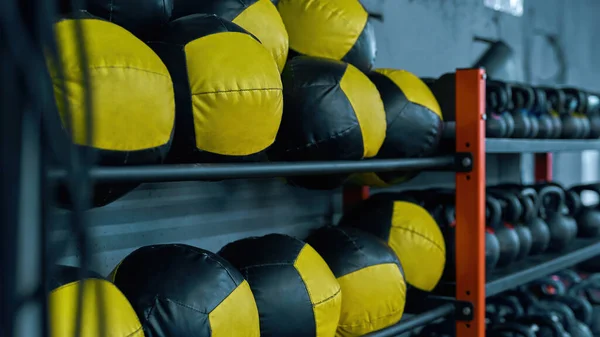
(593, 113)
(523, 98)
(577, 104)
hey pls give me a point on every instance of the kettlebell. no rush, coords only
(571, 297)
(563, 228)
(547, 324)
(508, 238)
(579, 107)
(590, 288)
(511, 330)
(540, 111)
(524, 99)
(496, 104)
(523, 127)
(556, 104)
(557, 313)
(539, 228)
(587, 217)
(512, 212)
(593, 113)
(504, 95)
(572, 127)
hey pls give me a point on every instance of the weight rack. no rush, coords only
(25, 203)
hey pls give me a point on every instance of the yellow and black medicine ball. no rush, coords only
(227, 89)
(105, 309)
(139, 17)
(296, 292)
(414, 122)
(132, 98)
(335, 29)
(409, 230)
(370, 275)
(183, 291)
(332, 112)
(259, 17)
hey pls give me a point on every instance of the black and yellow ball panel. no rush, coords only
(332, 112)
(181, 290)
(61, 275)
(296, 293)
(105, 308)
(140, 18)
(259, 17)
(335, 29)
(248, 90)
(133, 127)
(369, 273)
(409, 230)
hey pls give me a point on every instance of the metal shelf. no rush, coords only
(501, 145)
(538, 266)
(414, 322)
(191, 172)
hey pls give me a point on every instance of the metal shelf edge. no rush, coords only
(500, 145)
(191, 172)
(415, 321)
(535, 267)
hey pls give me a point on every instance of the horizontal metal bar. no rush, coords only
(539, 266)
(190, 172)
(415, 321)
(500, 145)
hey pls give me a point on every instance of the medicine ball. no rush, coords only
(227, 89)
(183, 291)
(370, 275)
(409, 230)
(132, 99)
(104, 308)
(332, 112)
(141, 18)
(259, 17)
(414, 122)
(296, 292)
(335, 29)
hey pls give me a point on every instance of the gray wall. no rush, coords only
(427, 37)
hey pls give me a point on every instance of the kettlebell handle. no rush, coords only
(531, 194)
(494, 211)
(552, 190)
(514, 209)
(595, 187)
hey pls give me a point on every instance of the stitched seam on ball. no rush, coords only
(339, 134)
(352, 241)
(422, 236)
(132, 68)
(373, 320)
(339, 291)
(134, 332)
(235, 90)
(182, 305)
(265, 265)
(208, 256)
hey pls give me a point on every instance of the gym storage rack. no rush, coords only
(24, 206)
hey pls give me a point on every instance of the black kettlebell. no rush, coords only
(508, 238)
(586, 216)
(504, 94)
(523, 127)
(538, 227)
(524, 99)
(579, 106)
(572, 127)
(541, 113)
(496, 103)
(511, 330)
(556, 101)
(546, 324)
(512, 211)
(563, 229)
(593, 113)
(590, 289)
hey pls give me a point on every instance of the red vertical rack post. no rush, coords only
(470, 199)
(543, 167)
